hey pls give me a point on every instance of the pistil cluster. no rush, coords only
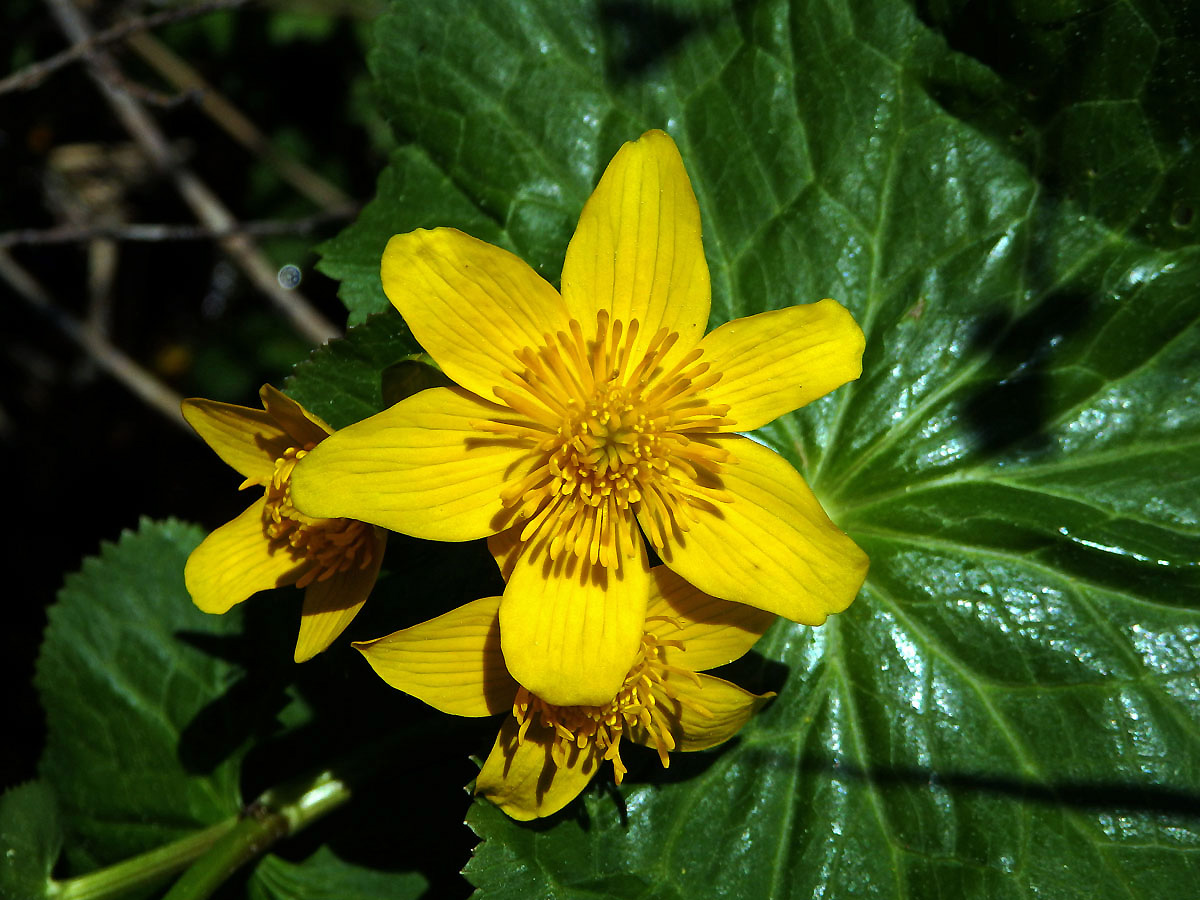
(643, 709)
(329, 545)
(614, 435)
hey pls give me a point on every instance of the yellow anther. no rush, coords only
(612, 431)
(329, 545)
(637, 703)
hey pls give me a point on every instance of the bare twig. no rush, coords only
(190, 83)
(141, 382)
(33, 75)
(148, 95)
(204, 203)
(69, 234)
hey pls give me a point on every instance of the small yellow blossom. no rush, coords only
(273, 544)
(587, 419)
(546, 754)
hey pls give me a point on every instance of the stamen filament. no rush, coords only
(647, 701)
(612, 430)
(326, 546)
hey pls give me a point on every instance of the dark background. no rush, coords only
(84, 458)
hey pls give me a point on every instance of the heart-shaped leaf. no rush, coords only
(1006, 200)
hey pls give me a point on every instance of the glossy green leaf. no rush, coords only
(413, 193)
(347, 380)
(1006, 199)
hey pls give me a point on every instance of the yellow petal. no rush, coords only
(773, 546)
(637, 250)
(332, 604)
(421, 467)
(247, 439)
(453, 662)
(570, 629)
(714, 632)
(505, 547)
(471, 305)
(706, 714)
(303, 426)
(778, 361)
(524, 781)
(236, 561)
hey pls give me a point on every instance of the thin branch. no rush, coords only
(204, 203)
(33, 75)
(140, 381)
(148, 95)
(191, 83)
(69, 234)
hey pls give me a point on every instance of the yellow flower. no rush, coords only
(272, 544)
(546, 754)
(582, 416)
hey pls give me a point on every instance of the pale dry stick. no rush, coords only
(103, 255)
(203, 202)
(33, 75)
(141, 382)
(190, 82)
(70, 234)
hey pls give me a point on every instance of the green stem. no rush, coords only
(215, 852)
(276, 814)
(141, 871)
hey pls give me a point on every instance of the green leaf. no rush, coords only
(412, 193)
(1006, 200)
(158, 715)
(347, 380)
(30, 840)
(325, 877)
(286, 27)
(124, 675)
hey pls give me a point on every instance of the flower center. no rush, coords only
(615, 436)
(641, 710)
(329, 545)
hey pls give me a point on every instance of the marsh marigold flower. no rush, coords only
(545, 753)
(584, 420)
(272, 544)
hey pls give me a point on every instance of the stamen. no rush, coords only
(515, 401)
(675, 376)
(328, 546)
(662, 341)
(511, 494)
(579, 353)
(640, 703)
(612, 433)
(627, 349)
(572, 377)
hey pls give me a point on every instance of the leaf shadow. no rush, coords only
(408, 768)
(639, 37)
(407, 763)
(1054, 76)
(1011, 408)
(1091, 796)
(247, 708)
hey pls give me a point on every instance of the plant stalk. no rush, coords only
(279, 812)
(216, 852)
(144, 870)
